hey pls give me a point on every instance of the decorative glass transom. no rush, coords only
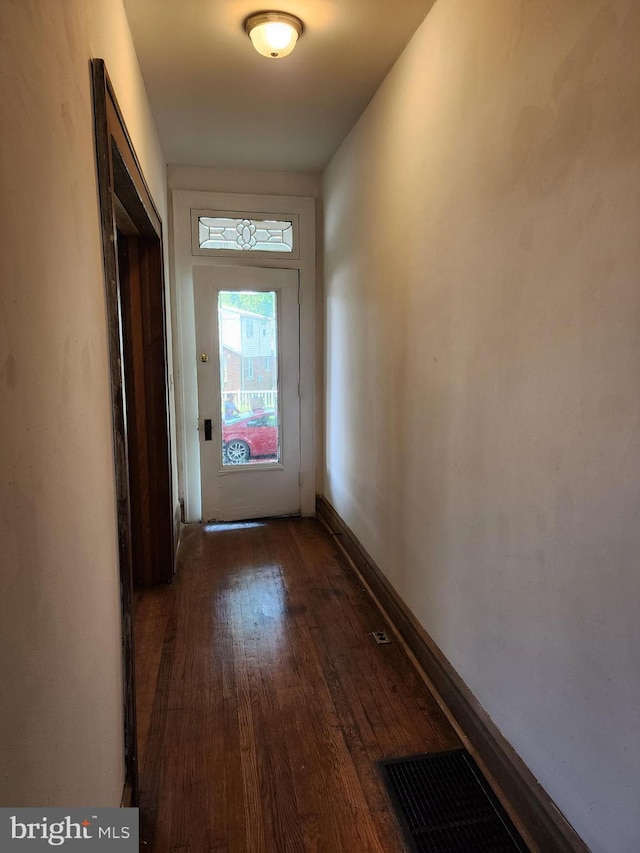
(245, 235)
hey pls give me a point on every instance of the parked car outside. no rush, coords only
(250, 437)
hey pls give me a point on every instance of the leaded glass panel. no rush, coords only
(245, 235)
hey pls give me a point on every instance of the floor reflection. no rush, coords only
(254, 606)
(221, 526)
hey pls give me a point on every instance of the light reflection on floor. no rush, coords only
(219, 527)
(254, 607)
(252, 599)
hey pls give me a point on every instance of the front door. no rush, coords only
(248, 362)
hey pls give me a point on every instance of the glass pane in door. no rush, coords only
(247, 331)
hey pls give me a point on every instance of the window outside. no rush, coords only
(248, 358)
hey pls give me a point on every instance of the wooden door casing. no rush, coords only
(133, 290)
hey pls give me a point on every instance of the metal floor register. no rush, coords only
(445, 805)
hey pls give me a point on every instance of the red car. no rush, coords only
(250, 436)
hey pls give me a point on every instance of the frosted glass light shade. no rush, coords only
(273, 34)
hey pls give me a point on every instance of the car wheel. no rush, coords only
(236, 452)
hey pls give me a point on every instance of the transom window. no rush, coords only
(241, 233)
(245, 235)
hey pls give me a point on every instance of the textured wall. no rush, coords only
(483, 355)
(61, 728)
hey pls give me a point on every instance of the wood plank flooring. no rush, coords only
(264, 704)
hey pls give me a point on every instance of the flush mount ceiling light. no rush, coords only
(273, 34)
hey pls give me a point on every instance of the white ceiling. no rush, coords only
(218, 103)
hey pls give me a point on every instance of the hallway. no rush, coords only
(264, 704)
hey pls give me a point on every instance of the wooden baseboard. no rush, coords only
(526, 798)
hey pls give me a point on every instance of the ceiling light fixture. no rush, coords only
(273, 34)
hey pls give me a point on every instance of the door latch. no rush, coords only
(207, 429)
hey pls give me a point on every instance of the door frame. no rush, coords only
(185, 356)
(136, 328)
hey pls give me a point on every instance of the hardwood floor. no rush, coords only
(264, 704)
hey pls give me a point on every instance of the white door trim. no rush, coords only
(185, 365)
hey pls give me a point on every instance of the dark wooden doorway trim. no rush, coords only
(134, 288)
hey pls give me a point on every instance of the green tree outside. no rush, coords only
(256, 302)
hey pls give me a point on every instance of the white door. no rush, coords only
(248, 356)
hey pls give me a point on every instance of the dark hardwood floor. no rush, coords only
(264, 704)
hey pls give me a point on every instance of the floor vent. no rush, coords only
(444, 805)
(380, 637)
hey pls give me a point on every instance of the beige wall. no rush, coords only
(61, 726)
(483, 364)
(250, 182)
